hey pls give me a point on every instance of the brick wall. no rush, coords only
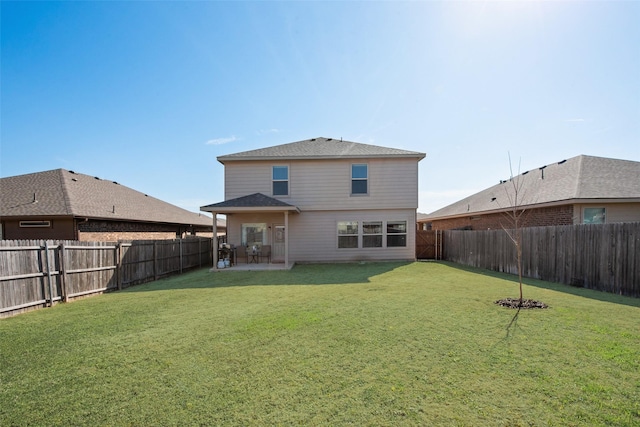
(114, 236)
(112, 231)
(558, 215)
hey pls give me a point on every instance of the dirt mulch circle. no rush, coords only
(526, 303)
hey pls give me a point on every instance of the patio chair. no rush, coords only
(241, 252)
(266, 253)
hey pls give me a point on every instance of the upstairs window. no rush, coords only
(280, 180)
(593, 216)
(396, 234)
(359, 178)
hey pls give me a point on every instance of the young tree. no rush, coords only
(515, 216)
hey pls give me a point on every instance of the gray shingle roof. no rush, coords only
(252, 202)
(580, 178)
(65, 193)
(256, 200)
(319, 148)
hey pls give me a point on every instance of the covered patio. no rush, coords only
(255, 220)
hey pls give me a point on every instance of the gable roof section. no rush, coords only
(66, 193)
(252, 202)
(578, 179)
(320, 148)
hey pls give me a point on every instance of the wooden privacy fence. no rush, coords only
(604, 257)
(41, 273)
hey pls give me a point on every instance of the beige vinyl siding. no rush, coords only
(314, 237)
(244, 178)
(326, 184)
(615, 212)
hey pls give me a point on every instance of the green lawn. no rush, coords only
(356, 344)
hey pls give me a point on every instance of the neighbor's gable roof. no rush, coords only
(320, 148)
(66, 193)
(578, 179)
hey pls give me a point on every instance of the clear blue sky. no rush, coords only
(150, 93)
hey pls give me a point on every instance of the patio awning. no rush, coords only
(256, 202)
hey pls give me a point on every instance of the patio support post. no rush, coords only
(214, 241)
(286, 238)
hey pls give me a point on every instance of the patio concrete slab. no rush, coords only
(253, 267)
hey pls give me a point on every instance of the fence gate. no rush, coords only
(429, 244)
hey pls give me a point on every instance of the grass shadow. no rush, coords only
(559, 287)
(304, 274)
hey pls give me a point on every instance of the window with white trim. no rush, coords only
(254, 234)
(347, 234)
(359, 179)
(372, 234)
(280, 180)
(396, 234)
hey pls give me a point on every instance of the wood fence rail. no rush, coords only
(604, 257)
(35, 274)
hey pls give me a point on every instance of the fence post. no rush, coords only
(63, 273)
(181, 254)
(155, 260)
(46, 263)
(118, 255)
(42, 270)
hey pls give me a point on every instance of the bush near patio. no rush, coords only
(360, 344)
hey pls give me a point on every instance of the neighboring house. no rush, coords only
(580, 190)
(322, 200)
(65, 205)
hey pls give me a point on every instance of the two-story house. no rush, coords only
(322, 200)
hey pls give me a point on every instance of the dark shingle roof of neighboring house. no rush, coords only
(578, 179)
(61, 192)
(252, 201)
(320, 148)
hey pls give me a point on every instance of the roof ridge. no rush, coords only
(65, 191)
(320, 148)
(578, 189)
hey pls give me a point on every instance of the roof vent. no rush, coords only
(524, 173)
(542, 172)
(95, 177)
(493, 199)
(312, 139)
(74, 179)
(115, 183)
(329, 139)
(72, 172)
(561, 161)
